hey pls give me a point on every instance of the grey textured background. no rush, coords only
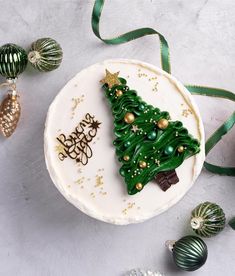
(42, 234)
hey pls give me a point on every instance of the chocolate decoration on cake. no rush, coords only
(166, 179)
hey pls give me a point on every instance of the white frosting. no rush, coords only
(97, 189)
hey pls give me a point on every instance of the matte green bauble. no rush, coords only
(208, 219)
(45, 54)
(190, 253)
(13, 60)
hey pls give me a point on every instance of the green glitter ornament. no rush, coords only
(208, 219)
(13, 60)
(189, 253)
(145, 134)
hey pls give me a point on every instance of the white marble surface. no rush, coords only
(41, 233)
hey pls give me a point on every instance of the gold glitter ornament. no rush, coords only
(129, 118)
(142, 164)
(163, 123)
(9, 114)
(119, 93)
(126, 157)
(180, 149)
(139, 186)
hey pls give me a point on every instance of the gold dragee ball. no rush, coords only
(180, 149)
(142, 164)
(163, 123)
(119, 93)
(126, 157)
(139, 186)
(129, 118)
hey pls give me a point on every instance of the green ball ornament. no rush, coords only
(169, 150)
(141, 107)
(13, 60)
(122, 172)
(45, 54)
(208, 219)
(127, 144)
(152, 135)
(189, 253)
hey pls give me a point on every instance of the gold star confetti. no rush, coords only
(99, 180)
(80, 181)
(157, 162)
(111, 79)
(135, 128)
(186, 112)
(60, 149)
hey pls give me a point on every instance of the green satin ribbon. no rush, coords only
(165, 62)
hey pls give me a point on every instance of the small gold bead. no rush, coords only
(142, 164)
(126, 157)
(180, 149)
(139, 186)
(163, 123)
(129, 118)
(119, 93)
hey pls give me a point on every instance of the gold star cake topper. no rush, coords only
(111, 79)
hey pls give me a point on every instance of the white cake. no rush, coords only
(95, 185)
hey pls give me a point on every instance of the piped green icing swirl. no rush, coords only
(138, 146)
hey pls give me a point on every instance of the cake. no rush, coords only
(80, 154)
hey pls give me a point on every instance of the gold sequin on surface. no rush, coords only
(151, 79)
(80, 181)
(186, 111)
(98, 184)
(129, 206)
(75, 103)
(99, 181)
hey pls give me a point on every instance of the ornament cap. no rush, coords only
(197, 222)
(170, 244)
(34, 56)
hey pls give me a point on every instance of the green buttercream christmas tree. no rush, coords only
(148, 144)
